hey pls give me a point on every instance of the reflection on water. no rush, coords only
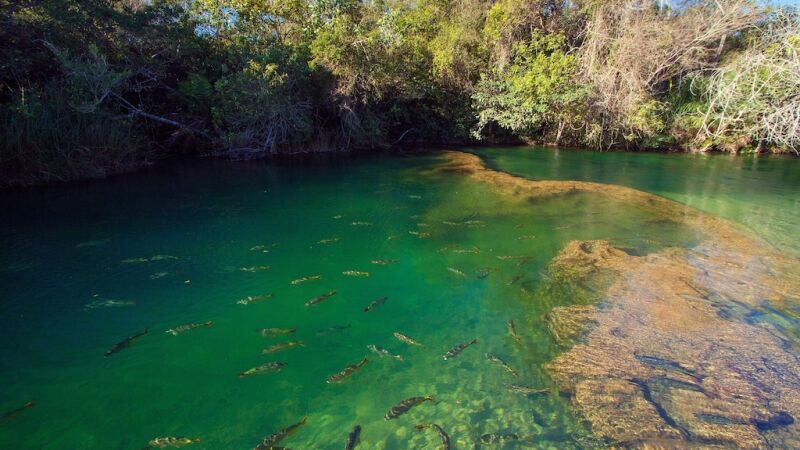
(394, 282)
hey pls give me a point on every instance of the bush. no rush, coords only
(45, 139)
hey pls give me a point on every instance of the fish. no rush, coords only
(471, 250)
(491, 357)
(270, 442)
(407, 339)
(457, 272)
(383, 352)
(355, 273)
(264, 248)
(415, 197)
(442, 435)
(250, 299)
(282, 346)
(675, 384)
(188, 327)
(526, 237)
(391, 237)
(304, 279)
(329, 240)
(337, 217)
(346, 372)
(135, 260)
(495, 438)
(524, 390)
(514, 279)
(718, 419)
(361, 224)
(524, 261)
(158, 275)
(377, 302)
(320, 298)
(163, 257)
(109, 304)
(353, 438)
(172, 441)
(483, 273)
(506, 257)
(405, 405)
(333, 329)
(383, 262)
(272, 332)
(252, 269)
(14, 412)
(423, 225)
(665, 364)
(512, 330)
(94, 243)
(458, 349)
(125, 343)
(264, 368)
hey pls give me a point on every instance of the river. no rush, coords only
(448, 251)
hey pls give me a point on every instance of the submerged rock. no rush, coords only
(570, 324)
(665, 351)
(658, 364)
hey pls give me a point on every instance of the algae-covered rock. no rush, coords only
(570, 324)
(579, 259)
(616, 409)
(659, 367)
(667, 349)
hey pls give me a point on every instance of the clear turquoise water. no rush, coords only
(760, 192)
(60, 246)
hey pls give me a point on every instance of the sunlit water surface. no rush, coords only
(64, 247)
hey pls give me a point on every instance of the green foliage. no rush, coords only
(646, 119)
(46, 139)
(754, 99)
(257, 109)
(197, 87)
(458, 50)
(245, 78)
(535, 91)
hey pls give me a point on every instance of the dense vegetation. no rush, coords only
(89, 87)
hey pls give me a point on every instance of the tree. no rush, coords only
(755, 96)
(633, 50)
(534, 93)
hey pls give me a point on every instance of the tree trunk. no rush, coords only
(560, 130)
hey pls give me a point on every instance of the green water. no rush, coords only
(62, 246)
(760, 192)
